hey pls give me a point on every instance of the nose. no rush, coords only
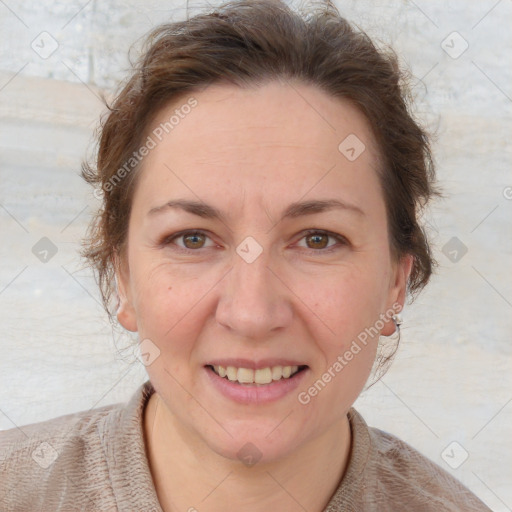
(254, 303)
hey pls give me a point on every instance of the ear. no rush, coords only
(397, 290)
(126, 315)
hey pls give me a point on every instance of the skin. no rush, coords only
(250, 153)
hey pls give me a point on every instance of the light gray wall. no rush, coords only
(451, 380)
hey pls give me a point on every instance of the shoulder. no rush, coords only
(387, 474)
(412, 478)
(90, 460)
(52, 454)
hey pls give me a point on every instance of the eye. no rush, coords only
(191, 240)
(318, 240)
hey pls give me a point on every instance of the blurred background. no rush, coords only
(449, 391)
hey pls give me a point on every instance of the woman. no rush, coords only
(261, 177)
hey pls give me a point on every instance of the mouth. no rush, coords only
(257, 377)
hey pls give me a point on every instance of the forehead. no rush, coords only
(278, 137)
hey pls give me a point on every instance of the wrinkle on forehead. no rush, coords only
(266, 145)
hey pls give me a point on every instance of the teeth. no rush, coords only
(260, 376)
(277, 372)
(231, 372)
(263, 376)
(245, 376)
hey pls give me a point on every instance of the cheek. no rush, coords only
(347, 301)
(344, 311)
(167, 300)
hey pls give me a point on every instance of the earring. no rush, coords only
(398, 321)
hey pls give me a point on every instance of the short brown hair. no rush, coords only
(249, 43)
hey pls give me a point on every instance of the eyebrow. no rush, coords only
(294, 210)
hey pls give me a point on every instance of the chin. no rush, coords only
(252, 450)
(255, 442)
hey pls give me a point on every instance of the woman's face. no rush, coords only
(256, 242)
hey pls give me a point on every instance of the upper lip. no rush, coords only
(254, 365)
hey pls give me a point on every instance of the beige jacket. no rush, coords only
(96, 461)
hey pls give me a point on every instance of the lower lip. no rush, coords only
(255, 394)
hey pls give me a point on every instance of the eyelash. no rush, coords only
(341, 239)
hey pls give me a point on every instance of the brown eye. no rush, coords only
(317, 240)
(322, 241)
(188, 241)
(194, 240)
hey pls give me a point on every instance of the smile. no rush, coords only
(261, 376)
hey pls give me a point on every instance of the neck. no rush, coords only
(200, 479)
